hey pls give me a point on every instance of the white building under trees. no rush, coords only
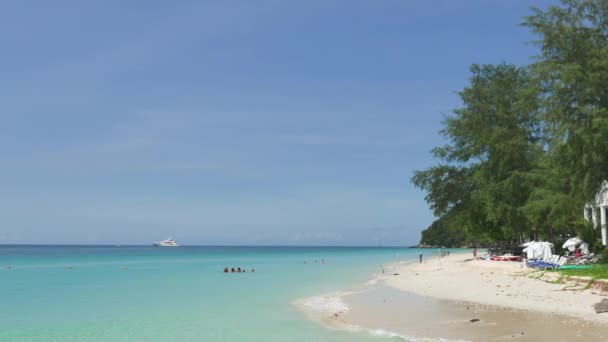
(601, 205)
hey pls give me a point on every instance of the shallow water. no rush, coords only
(70, 293)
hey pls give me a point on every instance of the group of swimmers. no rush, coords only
(238, 270)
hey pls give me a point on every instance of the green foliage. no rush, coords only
(586, 232)
(529, 147)
(572, 70)
(439, 233)
(492, 140)
(558, 243)
(596, 272)
(603, 256)
(549, 207)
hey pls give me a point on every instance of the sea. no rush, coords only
(140, 293)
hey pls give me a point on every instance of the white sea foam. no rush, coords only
(328, 303)
(399, 337)
(386, 333)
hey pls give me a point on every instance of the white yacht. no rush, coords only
(166, 243)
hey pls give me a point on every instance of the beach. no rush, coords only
(503, 284)
(458, 298)
(103, 293)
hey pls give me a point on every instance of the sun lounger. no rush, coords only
(536, 263)
(560, 262)
(553, 260)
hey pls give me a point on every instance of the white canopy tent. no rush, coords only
(538, 250)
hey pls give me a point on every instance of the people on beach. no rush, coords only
(475, 253)
(421, 257)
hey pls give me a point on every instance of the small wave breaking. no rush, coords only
(328, 303)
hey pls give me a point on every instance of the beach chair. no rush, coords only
(559, 263)
(549, 262)
(540, 263)
(532, 262)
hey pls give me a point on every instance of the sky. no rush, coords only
(233, 122)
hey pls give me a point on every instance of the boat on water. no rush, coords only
(166, 243)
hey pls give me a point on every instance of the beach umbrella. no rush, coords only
(572, 243)
(533, 250)
(546, 250)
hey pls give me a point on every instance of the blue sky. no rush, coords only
(233, 122)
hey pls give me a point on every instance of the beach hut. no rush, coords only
(601, 205)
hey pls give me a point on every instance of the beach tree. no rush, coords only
(572, 70)
(443, 233)
(492, 139)
(549, 208)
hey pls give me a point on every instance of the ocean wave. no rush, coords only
(389, 334)
(399, 337)
(328, 303)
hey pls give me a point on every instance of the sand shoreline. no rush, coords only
(495, 283)
(437, 299)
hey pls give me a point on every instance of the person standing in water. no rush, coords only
(421, 257)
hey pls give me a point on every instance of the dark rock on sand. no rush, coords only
(601, 306)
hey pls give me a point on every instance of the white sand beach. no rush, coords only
(503, 284)
(461, 299)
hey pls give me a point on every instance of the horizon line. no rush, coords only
(211, 245)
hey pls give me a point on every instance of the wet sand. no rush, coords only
(388, 310)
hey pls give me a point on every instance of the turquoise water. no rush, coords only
(176, 294)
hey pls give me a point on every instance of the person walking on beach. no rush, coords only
(475, 253)
(421, 257)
